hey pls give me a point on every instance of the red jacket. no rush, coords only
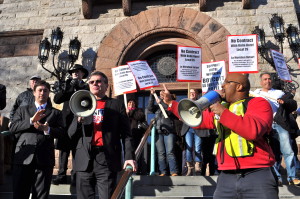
(256, 122)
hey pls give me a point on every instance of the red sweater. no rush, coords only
(256, 122)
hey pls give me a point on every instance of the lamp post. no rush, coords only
(59, 71)
(278, 30)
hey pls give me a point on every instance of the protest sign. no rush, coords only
(213, 75)
(189, 64)
(242, 52)
(280, 65)
(143, 74)
(123, 80)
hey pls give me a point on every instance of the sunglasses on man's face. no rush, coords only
(95, 81)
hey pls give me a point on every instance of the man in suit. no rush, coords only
(35, 126)
(2, 96)
(78, 72)
(98, 151)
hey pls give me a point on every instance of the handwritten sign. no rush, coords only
(189, 64)
(280, 65)
(143, 74)
(123, 80)
(213, 75)
(242, 52)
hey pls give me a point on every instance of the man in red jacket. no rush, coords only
(244, 156)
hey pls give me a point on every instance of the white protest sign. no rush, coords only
(280, 65)
(143, 74)
(123, 80)
(213, 75)
(189, 64)
(242, 52)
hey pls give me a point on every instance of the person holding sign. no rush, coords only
(166, 136)
(244, 156)
(281, 135)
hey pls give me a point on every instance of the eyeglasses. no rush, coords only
(95, 81)
(228, 82)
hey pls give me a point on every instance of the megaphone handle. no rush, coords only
(161, 107)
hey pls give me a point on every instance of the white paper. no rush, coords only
(189, 63)
(213, 76)
(242, 52)
(123, 80)
(143, 74)
(280, 65)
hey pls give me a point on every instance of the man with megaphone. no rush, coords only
(98, 136)
(243, 154)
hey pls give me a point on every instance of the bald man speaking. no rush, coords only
(244, 156)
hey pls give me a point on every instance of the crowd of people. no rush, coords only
(241, 138)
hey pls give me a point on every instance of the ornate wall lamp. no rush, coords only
(59, 71)
(292, 35)
(277, 25)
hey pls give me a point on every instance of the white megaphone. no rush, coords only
(190, 111)
(83, 103)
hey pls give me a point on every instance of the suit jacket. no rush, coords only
(115, 127)
(63, 96)
(32, 144)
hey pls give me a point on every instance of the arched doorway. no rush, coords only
(153, 35)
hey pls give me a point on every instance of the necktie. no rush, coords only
(39, 108)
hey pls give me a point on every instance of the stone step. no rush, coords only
(147, 187)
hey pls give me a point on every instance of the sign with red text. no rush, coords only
(123, 80)
(242, 52)
(143, 74)
(280, 65)
(189, 64)
(213, 76)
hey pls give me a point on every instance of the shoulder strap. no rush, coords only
(245, 103)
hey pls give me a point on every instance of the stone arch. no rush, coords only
(135, 37)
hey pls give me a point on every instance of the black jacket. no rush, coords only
(63, 96)
(115, 128)
(163, 125)
(2, 96)
(283, 115)
(137, 117)
(23, 99)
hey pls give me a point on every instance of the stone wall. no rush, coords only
(18, 15)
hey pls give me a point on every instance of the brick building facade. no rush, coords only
(112, 34)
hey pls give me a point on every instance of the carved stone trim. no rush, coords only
(126, 4)
(21, 33)
(87, 9)
(202, 5)
(246, 4)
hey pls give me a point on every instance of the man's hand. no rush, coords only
(38, 116)
(41, 127)
(280, 101)
(80, 119)
(132, 163)
(152, 91)
(167, 95)
(217, 108)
